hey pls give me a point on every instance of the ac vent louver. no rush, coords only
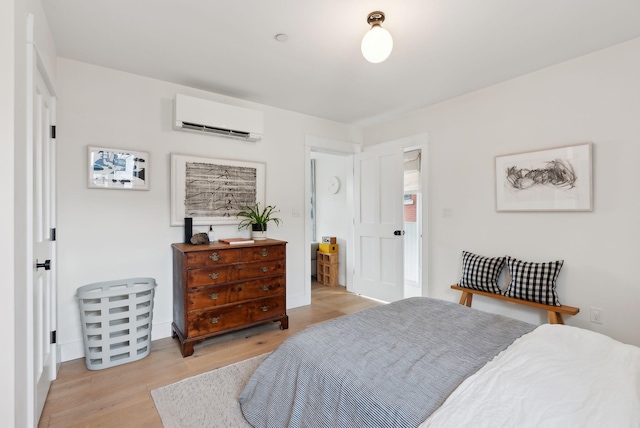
(219, 131)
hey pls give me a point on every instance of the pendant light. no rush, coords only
(377, 43)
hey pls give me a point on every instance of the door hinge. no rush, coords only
(54, 336)
(52, 235)
(53, 131)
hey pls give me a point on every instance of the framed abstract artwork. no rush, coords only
(213, 191)
(118, 169)
(556, 179)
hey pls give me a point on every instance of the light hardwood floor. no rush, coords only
(120, 396)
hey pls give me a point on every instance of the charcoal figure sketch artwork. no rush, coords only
(218, 190)
(558, 173)
(546, 180)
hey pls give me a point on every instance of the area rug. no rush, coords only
(206, 400)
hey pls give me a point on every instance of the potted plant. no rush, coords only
(257, 219)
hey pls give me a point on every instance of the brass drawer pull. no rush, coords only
(213, 296)
(214, 256)
(264, 252)
(213, 275)
(265, 288)
(264, 308)
(265, 269)
(214, 320)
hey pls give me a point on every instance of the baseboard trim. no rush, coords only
(299, 300)
(71, 351)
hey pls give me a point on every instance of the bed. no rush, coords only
(430, 363)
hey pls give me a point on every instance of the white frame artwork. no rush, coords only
(120, 169)
(557, 179)
(227, 182)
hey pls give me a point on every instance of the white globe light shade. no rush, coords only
(376, 44)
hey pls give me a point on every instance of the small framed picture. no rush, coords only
(118, 169)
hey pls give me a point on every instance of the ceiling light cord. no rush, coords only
(377, 44)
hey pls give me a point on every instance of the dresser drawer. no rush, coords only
(213, 257)
(208, 297)
(265, 308)
(228, 317)
(261, 269)
(211, 276)
(216, 319)
(263, 253)
(262, 288)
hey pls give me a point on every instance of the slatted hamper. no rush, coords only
(116, 321)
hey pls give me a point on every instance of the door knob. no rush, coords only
(46, 265)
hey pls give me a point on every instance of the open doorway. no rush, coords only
(412, 223)
(328, 207)
(344, 150)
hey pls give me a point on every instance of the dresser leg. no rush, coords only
(284, 322)
(187, 349)
(186, 346)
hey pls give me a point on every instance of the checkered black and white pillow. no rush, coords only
(481, 273)
(535, 282)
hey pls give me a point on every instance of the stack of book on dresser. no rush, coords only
(236, 241)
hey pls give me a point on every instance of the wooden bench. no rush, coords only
(555, 312)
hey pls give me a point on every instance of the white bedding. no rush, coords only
(555, 376)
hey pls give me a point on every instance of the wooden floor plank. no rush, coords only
(120, 396)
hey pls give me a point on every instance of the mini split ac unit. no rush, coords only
(210, 117)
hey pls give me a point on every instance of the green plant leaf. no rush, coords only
(251, 215)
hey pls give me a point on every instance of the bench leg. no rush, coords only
(466, 299)
(555, 317)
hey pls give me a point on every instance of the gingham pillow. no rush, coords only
(535, 282)
(481, 273)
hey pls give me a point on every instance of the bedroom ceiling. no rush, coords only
(442, 49)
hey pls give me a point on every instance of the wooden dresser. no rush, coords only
(218, 288)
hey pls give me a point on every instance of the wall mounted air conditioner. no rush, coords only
(210, 117)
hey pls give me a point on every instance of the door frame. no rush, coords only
(336, 147)
(346, 148)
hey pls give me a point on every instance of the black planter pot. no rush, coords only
(257, 232)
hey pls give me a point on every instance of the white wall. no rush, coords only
(331, 208)
(594, 98)
(110, 234)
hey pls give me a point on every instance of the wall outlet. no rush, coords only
(597, 315)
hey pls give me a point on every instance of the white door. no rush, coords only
(42, 295)
(378, 222)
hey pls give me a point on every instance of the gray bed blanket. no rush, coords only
(390, 366)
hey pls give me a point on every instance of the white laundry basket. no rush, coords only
(116, 321)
